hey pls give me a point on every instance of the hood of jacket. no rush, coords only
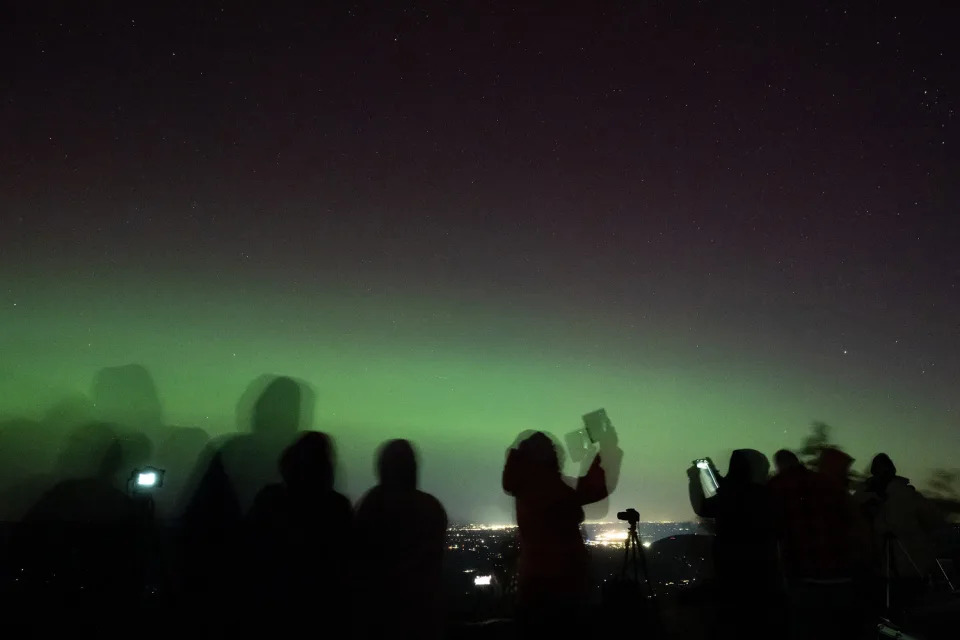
(397, 466)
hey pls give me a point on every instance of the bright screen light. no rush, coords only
(708, 481)
(147, 479)
(482, 581)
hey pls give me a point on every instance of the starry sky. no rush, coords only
(720, 221)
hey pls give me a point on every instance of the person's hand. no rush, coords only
(693, 473)
(713, 467)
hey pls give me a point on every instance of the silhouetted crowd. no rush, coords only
(805, 553)
(264, 546)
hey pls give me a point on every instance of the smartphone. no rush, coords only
(582, 442)
(708, 480)
(579, 445)
(595, 423)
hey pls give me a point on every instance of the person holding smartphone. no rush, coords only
(744, 551)
(553, 571)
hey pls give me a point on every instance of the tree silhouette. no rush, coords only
(943, 489)
(943, 485)
(818, 438)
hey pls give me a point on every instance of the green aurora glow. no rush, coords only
(459, 374)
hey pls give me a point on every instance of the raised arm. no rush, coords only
(602, 476)
(598, 483)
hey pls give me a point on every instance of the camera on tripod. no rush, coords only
(630, 594)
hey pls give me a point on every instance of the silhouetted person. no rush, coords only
(209, 545)
(126, 396)
(401, 535)
(813, 524)
(784, 460)
(899, 517)
(29, 454)
(230, 474)
(817, 533)
(281, 406)
(81, 547)
(178, 454)
(300, 543)
(744, 546)
(553, 571)
(25, 466)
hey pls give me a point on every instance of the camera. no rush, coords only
(630, 515)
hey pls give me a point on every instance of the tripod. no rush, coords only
(634, 559)
(627, 598)
(886, 628)
(634, 565)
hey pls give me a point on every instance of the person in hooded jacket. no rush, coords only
(813, 519)
(745, 544)
(902, 523)
(80, 549)
(819, 545)
(297, 535)
(553, 568)
(401, 535)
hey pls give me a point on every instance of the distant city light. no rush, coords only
(609, 539)
(486, 527)
(491, 541)
(618, 536)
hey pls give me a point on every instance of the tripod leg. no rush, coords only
(888, 577)
(630, 556)
(640, 561)
(637, 555)
(626, 558)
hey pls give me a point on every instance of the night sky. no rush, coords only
(720, 221)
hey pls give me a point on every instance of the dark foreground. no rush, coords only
(680, 601)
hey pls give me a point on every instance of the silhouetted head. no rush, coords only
(277, 410)
(92, 451)
(126, 395)
(748, 465)
(882, 467)
(308, 462)
(785, 459)
(834, 464)
(541, 451)
(397, 465)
